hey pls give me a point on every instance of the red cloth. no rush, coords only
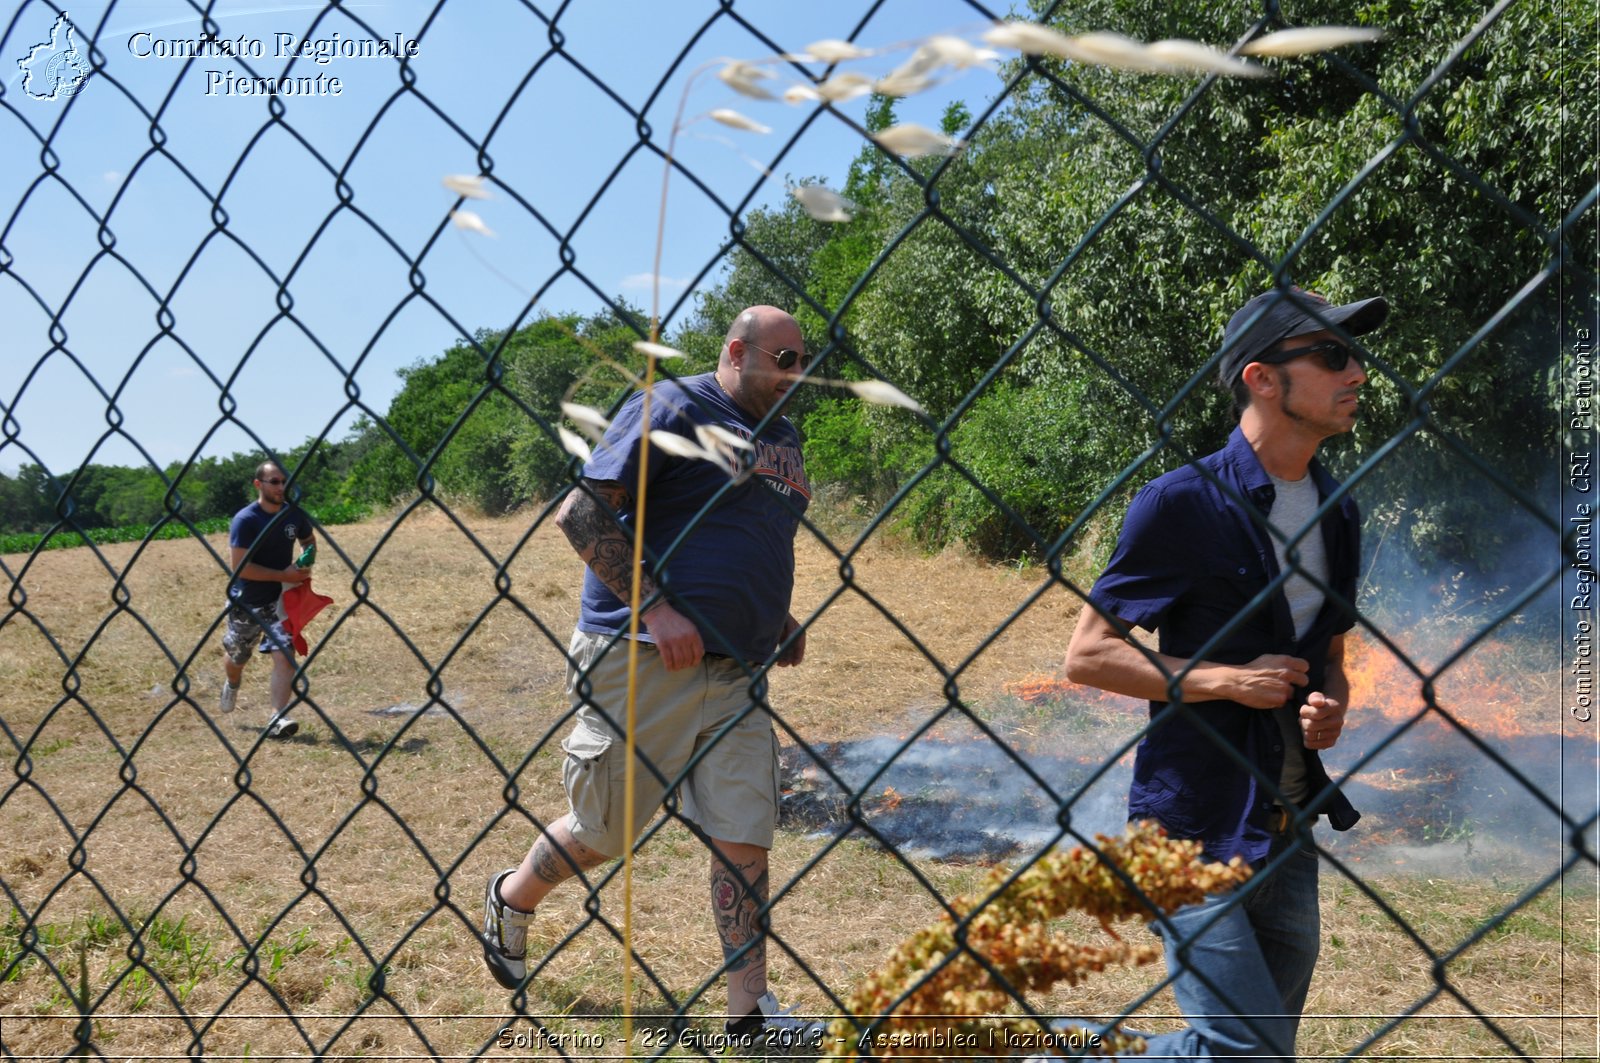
(300, 604)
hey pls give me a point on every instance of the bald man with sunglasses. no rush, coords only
(714, 609)
(1235, 759)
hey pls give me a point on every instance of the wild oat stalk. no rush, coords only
(1008, 929)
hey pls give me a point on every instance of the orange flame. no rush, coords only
(1487, 690)
(1483, 690)
(1041, 688)
(890, 800)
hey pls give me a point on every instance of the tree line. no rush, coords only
(116, 496)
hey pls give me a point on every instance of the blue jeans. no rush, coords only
(1241, 967)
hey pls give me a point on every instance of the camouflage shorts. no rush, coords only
(244, 629)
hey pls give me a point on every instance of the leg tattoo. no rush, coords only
(737, 893)
(551, 863)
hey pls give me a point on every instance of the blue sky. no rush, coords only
(350, 287)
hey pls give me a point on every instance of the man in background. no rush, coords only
(1196, 549)
(263, 537)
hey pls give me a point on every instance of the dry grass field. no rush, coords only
(268, 882)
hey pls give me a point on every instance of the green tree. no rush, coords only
(27, 500)
(452, 427)
(480, 418)
(1134, 213)
(1267, 160)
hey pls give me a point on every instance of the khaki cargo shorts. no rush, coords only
(731, 792)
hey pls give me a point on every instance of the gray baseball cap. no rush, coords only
(1277, 315)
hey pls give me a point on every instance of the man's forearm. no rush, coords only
(1123, 668)
(1101, 655)
(586, 520)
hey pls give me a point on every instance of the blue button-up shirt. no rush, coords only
(1192, 563)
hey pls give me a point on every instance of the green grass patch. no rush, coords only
(67, 538)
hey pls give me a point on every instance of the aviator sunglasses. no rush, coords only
(785, 356)
(1333, 355)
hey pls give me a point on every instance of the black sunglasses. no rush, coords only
(1333, 354)
(274, 483)
(785, 356)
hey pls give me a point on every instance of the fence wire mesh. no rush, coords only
(178, 885)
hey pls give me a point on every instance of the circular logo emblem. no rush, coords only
(65, 74)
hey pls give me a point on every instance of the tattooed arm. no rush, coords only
(585, 517)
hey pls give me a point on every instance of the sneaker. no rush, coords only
(230, 696)
(776, 1031)
(280, 726)
(505, 936)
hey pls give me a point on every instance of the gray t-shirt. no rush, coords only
(1292, 510)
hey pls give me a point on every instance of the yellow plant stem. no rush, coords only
(631, 739)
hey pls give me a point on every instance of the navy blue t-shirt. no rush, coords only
(273, 536)
(721, 548)
(1190, 564)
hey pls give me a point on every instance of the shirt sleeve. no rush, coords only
(1149, 570)
(616, 457)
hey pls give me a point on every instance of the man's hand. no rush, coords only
(294, 575)
(1321, 720)
(796, 651)
(676, 637)
(1269, 680)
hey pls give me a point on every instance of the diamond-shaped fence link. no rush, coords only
(1049, 292)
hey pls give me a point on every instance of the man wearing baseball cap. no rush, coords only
(1232, 753)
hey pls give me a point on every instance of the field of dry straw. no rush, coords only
(269, 881)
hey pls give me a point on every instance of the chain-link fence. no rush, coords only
(198, 213)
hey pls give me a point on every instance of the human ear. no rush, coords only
(1261, 379)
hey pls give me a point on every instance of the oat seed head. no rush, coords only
(736, 120)
(681, 446)
(1194, 57)
(823, 204)
(834, 51)
(467, 186)
(1310, 39)
(882, 393)
(573, 443)
(846, 86)
(657, 350)
(466, 219)
(913, 140)
(1030, 38)
(590, 421)
(742, 78)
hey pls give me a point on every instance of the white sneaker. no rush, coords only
(505, 936)
(780, 1031)
(280, 726)
(230, 696)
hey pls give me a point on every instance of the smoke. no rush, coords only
(953, 800)
(1431, 800)
(1452, 554)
